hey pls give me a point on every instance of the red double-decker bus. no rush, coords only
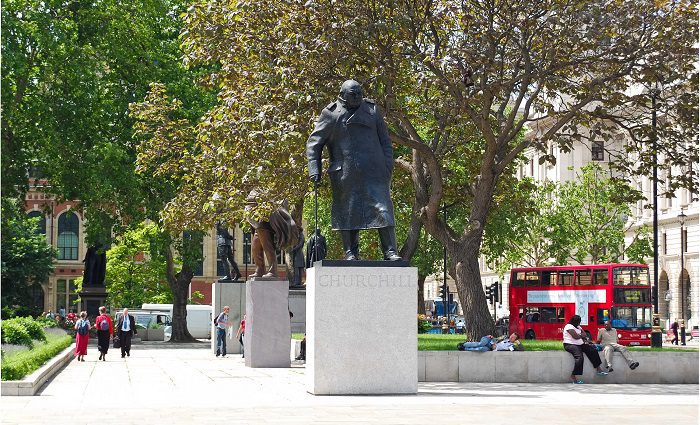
(543, 299)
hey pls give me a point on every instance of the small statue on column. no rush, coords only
(224, 247)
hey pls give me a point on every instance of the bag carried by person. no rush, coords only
(83, 327)
(116, 343)
(104, 324)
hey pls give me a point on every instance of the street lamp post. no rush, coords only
(681, 219)
(656, 329)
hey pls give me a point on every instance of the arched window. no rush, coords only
(41, 228)
(68, 232)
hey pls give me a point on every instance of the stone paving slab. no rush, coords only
(190, 386)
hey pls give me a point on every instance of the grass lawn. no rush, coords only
(439, 342)
(19, 364)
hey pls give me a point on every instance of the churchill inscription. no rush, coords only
(366, 281)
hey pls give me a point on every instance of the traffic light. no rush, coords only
(451, 298)
(494, 292)
(441, 291)
(488, 292)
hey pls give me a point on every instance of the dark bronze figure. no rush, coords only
(224, 248)
(280, 231)
(361, 162)
(95, 266)
(315, 249)
(298, 263)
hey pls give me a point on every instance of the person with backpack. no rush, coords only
(103, 323)
(82, 335)
(222, 322)
(127, 329)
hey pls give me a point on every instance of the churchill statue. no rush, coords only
(356, 137)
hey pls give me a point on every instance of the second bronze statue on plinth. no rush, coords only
(361, 162)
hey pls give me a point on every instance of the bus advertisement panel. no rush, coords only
(543, 299)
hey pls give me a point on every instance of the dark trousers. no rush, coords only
(577, 351)
(125, 342)
(103, 341)
(675, 337)
(220, 341)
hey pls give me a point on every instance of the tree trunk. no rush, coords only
(478, 319)
(179, 284)
(421, 294)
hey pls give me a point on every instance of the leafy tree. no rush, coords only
(27, 259)
(455, 79)
(136, 269)
(69, 72)
(588, 223)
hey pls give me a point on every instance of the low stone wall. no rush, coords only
(32, 383)
(553, 367)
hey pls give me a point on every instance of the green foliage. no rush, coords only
(27, 258)
(588, 223)
(14, 332)
(18, 365)
(136, 269)
(34, 328)
(423, 325)
(195, 298)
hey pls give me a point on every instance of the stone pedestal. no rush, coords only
(361, 328)
(231, 294)
(267, 326)
(91, 298)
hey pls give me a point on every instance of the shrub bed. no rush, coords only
(22, 331)
(17, 366)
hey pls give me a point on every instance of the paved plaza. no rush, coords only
(191, 386)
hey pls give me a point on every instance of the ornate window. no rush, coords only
(68, 232)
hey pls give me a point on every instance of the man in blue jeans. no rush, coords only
(485, 344)
(222, 322)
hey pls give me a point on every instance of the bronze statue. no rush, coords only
(95, 266)
(224, 242)
(361, 162)
(279, 231)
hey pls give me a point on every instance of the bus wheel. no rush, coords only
(530, 334)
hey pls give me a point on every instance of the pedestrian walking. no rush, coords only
(103, 323)
(241, 333)
(82, 335)
(674, 328)
(222, 323)
(127, 329)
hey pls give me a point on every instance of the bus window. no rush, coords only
(632, 296)
(566, 278)
(532, 314)
(631, 317)
(520, 313)
(532, 278)
(548, 314)
(547, 278)
(560, 315)
(600, 277)
(624, 276)
(583, 278)
(518, 279)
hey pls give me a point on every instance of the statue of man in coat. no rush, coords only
(361, 162)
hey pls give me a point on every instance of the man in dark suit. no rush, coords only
(127, 329)
(355, 134)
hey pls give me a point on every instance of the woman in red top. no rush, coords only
(82, 335)
(240, 333)
(104, 332)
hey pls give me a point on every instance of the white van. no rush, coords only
(199, 317)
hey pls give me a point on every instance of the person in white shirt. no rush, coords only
(577, 343)
(222, 323)
(127, 329)
(607, 337)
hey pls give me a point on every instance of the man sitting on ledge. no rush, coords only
(607, 337)
(487, 343)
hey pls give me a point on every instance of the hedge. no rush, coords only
(19, 365)
(21, 331)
